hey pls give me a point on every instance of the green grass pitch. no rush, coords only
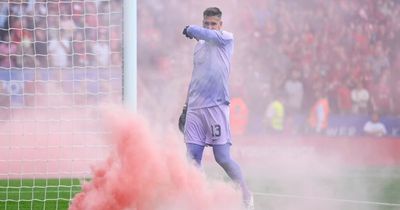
(56, 194)
(354, 189)
(43, 194)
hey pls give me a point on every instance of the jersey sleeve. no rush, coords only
(215, 36)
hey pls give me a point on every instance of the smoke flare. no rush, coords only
(142, 173)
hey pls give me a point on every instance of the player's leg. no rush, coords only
(195, 152)
(218, 135)
(223, 158)
(194, 135)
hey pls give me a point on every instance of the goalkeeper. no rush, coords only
(207, 106)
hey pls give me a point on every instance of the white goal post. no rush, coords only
(130, 52)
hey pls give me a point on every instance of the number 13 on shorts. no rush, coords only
(215, 130)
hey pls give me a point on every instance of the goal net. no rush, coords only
(60, 60)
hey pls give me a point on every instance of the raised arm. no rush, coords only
(215, 36)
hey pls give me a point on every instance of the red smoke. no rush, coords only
(143, 173)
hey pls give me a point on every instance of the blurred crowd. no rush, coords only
(68, 33)
(293, 51)
(346, 51)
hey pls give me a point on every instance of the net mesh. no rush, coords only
(60, 61)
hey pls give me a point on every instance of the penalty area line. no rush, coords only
(325, 199)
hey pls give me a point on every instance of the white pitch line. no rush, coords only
(263, 194)
(326, 199)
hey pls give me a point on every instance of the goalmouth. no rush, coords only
(60, 61)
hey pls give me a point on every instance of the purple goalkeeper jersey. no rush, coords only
(212, 61)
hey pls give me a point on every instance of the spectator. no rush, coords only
(294, 91)
(78, 46)
(374, 127)
(4, 97)
(319, 113)
(40, 48)
(59, 48)
(396, 100)
(91, 18)
(78, 14)
(67, 27)
(360, 98)
(28, 59)
(382, 100)
(3, 20)
(344, 97)
(239, 116)
(333, 95)
(102, 51)
(6, 50)
(379, 60)
(275, 115)
(14, 39)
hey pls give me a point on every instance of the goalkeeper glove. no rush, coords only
(182, 119)
(186, 33)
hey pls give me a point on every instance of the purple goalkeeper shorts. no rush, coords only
(208, 126)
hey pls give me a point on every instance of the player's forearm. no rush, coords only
(206, 34)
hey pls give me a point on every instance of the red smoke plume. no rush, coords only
(143, 173)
